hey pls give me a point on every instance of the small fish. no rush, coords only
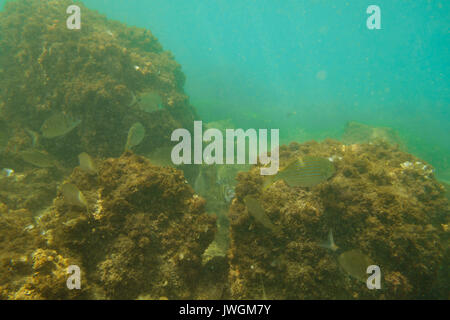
(200, 185)
(353, 262)
(264, 297)
(161, 157)
(228, 193)
(73, 196)
(7, 172)
(34, 137)
(28, 227)
(58, 125)
(290, 114)
(257, 211)
(330, 243)
(86, 163)
(38, 158)
(306, 172)
(135, 135)
(133, 102)
(150, 101)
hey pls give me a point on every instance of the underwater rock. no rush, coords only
(144, 233)
(373, 205)
(46, 69)
(356, 133)
(32, 189)
(27, 270)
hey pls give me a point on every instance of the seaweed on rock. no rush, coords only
(144, 232)
(390, 211)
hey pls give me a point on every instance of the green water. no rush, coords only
(362, 114)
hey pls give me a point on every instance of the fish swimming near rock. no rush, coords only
(73, 196)
(228, 193)
(38, 158)
(58, 125)
(34, 137)
(161, 157)
(353, 262)
(256, 210)
(329, 244)
(135, 135)
(306, 172)
(150, 101)
(86, 163)
(200, 183)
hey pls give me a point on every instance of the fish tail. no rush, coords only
(268, 181)
(329, 244)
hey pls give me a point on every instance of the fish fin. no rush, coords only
(268, 181)
(329, 244)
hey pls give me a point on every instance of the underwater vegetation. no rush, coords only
(68, 92)
(87, 179)
(378, 209)
(143, 234)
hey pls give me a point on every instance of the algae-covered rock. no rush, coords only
(374, 203)
(33, 189)
(361, 133)
(89, 76)
(144, 232)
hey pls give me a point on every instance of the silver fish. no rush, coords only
(58, 125)
(86, 163)
(353, 262)
(73, 196)
(257, 211)
(38, 158)
(135, 135)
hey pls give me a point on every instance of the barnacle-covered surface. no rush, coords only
(381, 201)
(92, 75)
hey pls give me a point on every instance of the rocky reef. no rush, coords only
(94, 75)
(381, 201)
(142, 234)
(355, 132)
(139, 228)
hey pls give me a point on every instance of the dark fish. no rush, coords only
(257, 211)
